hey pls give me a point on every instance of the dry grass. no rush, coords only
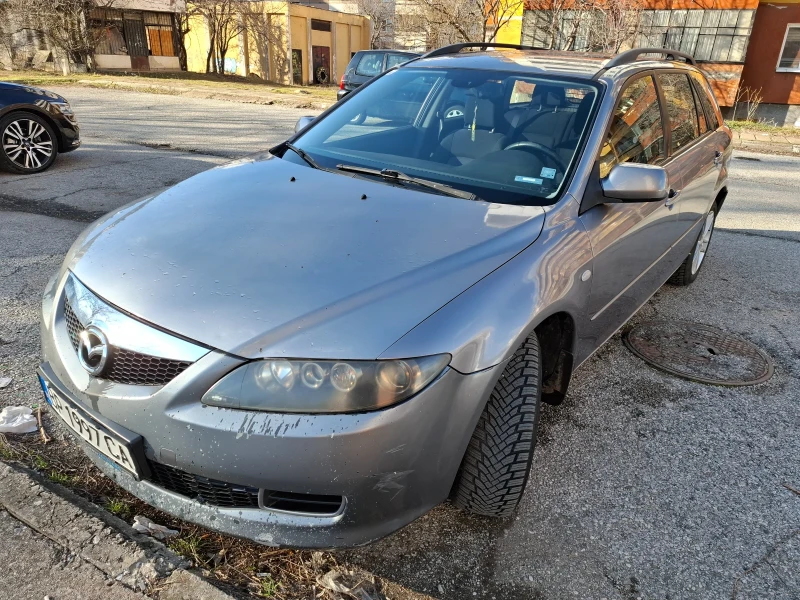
(178, 83)
(759, 126)
(246, 569)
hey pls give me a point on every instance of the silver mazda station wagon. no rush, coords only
(314, 346)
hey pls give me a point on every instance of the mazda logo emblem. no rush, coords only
(93, 350)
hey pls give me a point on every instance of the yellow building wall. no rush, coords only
(300, 42)
(511, 31)
(349, 33)
(197, 42)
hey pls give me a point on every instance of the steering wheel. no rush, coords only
(539, 149)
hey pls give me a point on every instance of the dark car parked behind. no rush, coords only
(35, 125)
(366, 64)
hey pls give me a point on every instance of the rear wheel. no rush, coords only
(495, 468)
(27, 143)
(690, 267)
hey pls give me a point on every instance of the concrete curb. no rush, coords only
(135, 561)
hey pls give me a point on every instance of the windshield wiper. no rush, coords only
(302, 154)
(392, 175)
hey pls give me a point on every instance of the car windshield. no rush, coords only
(509, 138)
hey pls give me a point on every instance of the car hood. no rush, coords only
(7, 85)
(263, 257)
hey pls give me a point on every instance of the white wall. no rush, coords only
(164, 63)
(154, 5)
(112, 61)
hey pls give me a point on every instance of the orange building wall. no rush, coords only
(765, 47)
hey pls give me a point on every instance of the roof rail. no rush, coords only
(456, 48)
(631, 56)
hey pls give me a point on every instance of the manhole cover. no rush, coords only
(699, 352)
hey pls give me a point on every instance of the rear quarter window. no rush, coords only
(708, 104)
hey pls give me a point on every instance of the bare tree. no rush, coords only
(381, 15)
(225, 24)
(183, 26)
(453, 21)
(64, 24)
(585, 25)
(269, 35)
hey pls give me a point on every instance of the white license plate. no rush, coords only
(105, 442)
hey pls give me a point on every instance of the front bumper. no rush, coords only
(391, 466)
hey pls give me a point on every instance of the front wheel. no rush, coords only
(28, 143)
(690, 267)
(495, 468)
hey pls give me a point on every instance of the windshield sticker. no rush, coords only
(523, 179)
(547, 172)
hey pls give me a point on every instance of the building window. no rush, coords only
(120, 32)
(318, 25)
(160, 36)
(708, 35)
(108, 23)
(790, 53)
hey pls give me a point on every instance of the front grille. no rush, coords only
(74, 326)
(142, 369)
(126, 366)
(230, 495)
(203, 489)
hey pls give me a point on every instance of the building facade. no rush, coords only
(742, 45)
(285, 43)
(138, 35)
(772, 67)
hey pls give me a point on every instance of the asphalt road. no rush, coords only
(643, 485)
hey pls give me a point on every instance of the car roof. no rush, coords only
(503, 58)
(388, 51)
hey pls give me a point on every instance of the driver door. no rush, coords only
(629, 240)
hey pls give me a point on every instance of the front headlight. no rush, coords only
(64, 108)
(324, 386)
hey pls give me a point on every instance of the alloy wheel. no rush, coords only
(27, 144)
(703, 242)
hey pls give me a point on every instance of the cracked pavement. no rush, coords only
(643, 485)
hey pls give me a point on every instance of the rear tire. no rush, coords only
(691, 266)
(495, 468)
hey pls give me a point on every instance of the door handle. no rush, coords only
(672, 196)
(717, 158)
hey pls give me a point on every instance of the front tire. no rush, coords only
(690, 267)
(27, 143)
(495, 468)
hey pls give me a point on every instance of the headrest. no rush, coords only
(479, 110)
(548, 95)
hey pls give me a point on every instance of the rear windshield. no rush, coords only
(371, 64)
(510, 138)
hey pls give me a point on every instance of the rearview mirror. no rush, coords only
(633, 182)
(302, 123)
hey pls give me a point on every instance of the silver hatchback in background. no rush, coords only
(314, 346)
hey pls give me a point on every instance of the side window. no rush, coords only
(680, 108)
(371, 64)
(636, 133)
(705, 100)
(392, 60)
(522, 92)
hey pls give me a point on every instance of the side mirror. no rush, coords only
(633, 182)
(302, 123)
